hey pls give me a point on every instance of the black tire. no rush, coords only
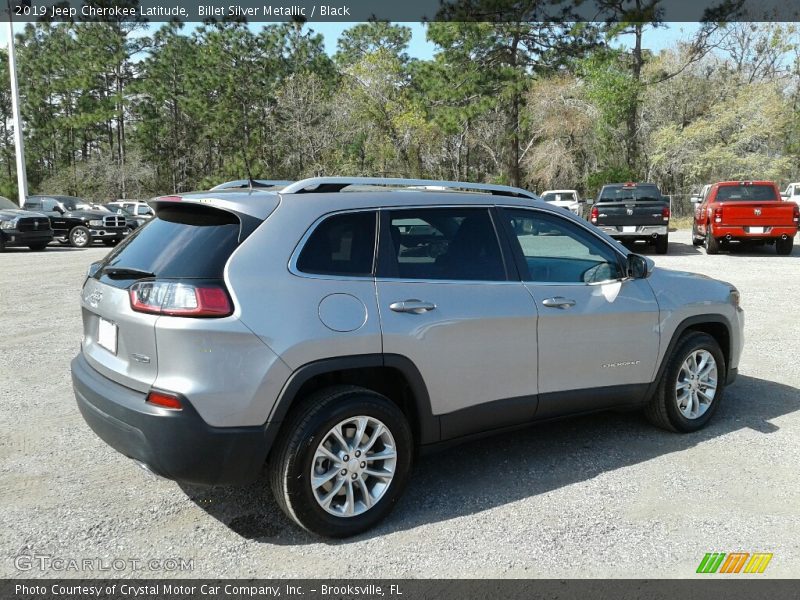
(2, 243)
(784, 247)
(79, 237)
(293, 455)
(697, 239)
(662, 244)
(662, 409)
(711, 243)
(38, 247)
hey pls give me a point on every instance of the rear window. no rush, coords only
(619, 193)
(183, 242)
(746, 192)
(556, 196)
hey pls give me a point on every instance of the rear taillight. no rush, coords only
(796, 214)
(594, 215)
(179, 299)
(718, 215)
(164, 400)
(665, 213)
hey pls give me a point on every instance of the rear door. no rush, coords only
(448, 303)
(597, 331)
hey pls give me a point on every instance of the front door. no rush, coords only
(598, 330)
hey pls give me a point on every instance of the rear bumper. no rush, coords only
(178, 445)
(741, 232)
(639, 232)
(12, 237)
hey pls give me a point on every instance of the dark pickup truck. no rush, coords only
(22, 227)
(76, 223)
(633, 212)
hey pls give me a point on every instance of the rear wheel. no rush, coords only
(38, 247)
(712, 243)
(79, 237)
(697, 239)
(691, 386)
(662, 244)
(342, 461)
(784, 247)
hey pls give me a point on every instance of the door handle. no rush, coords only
(416, 307)
(558, 302)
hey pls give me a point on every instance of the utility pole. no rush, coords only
(22, 176)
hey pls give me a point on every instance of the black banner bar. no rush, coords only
(701, 588)
(405, 11)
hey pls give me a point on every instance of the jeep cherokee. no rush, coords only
(331, 336)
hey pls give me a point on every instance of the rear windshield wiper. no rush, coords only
(125, 273)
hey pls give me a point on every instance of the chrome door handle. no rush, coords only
(558, 302)
(416, 307)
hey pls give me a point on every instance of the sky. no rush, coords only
(654, 39)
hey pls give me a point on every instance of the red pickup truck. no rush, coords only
(744, 211)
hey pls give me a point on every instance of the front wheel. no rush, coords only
(784, 247)
(691, 385)
(79, 237)
(342, 461)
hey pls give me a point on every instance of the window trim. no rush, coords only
(386, 246)
(298, 250)
(519, 257)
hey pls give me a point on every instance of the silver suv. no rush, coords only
(332, 336)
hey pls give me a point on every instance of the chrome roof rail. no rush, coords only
(337, 184)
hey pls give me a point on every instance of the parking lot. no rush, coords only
(600, 496)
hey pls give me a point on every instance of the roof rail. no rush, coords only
(337, 184)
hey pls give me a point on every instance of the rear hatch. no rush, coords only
(187, 244)
(755, 206)
(631, 205)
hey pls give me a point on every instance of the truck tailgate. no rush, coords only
(758, 213)
(635, 212)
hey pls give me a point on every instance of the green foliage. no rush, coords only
(111, 110)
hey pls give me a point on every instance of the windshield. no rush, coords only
(556, 196)
(746, 192)
(619, 193)
(6, 204)
(73, 203)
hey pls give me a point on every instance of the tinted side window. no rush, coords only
(33, 204)
(558, 251)
(341, 245)
(444, 243)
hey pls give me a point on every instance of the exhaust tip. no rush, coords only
(728, 237)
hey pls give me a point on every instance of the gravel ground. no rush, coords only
(600, 496)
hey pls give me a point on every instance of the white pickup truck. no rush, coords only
(792, 192)
(569, 199)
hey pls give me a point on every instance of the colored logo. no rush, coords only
(734, 562)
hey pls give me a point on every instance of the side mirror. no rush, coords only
(638, 267)
(785, 195)
(58, 209)
(695, 199)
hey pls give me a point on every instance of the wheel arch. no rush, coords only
(391, 375)
(716, 325)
